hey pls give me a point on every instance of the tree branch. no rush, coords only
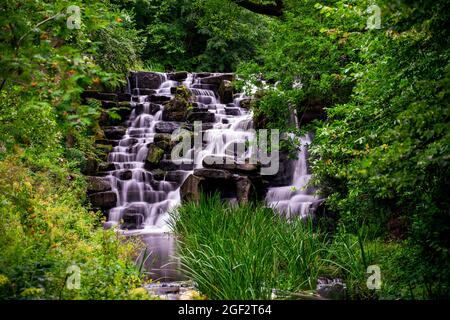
(266, 9)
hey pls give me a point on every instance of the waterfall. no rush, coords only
(144, 199)
(296, 198)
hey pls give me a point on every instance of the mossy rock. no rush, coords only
(155, 154)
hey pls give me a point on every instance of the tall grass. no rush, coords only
(242, 252)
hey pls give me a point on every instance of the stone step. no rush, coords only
(166, 127)
(114, 132)
(232, 111)
(201, 116)
(159, 98)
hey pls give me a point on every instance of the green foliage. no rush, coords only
(45, 136)
(197, 35)
(45, 229)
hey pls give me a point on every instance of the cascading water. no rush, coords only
(297, 198)
(139, 194)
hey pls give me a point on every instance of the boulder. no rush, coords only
(155, 155)
(103, 200)
(106, 166)
(175, 176)
(158, 174)
(166, 127)
(232, 111)
(148, 80)
(189, 190)
(177, 76)
(244, 189)
(174, 115)
(226, 91)
(125, 175)
(132, 221)
(163, 141)
(97, 184)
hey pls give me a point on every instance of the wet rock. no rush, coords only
(125, 175)
(152, 108)
(97, 184)
(285, 171)
(114, 133)
(174, 115)
(189, 190)
(202, 74)
(244, 189)
(163, 141)
(158, 174)
(148, 80)
(106, 166)
(201, 116)
(228, 163)
(103, 200)
(166, 127)
(159, 99)
(226, 91)
(177, 76)
(175, 176)
(155, 155)
(232, 111)
(132, 221)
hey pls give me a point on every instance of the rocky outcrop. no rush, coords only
(147, 80)
(228, 184)
(103, 200)
(97, 184)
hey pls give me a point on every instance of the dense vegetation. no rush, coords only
(380, 154)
